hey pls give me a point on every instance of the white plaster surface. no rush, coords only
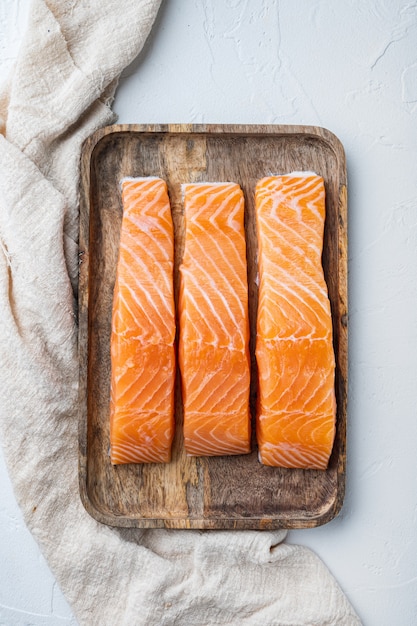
(351, 67)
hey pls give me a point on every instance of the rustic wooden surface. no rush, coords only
(224, 492)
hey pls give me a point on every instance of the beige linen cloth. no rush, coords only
(60, 92)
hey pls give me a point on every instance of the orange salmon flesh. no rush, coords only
(295, 422)
(296, 407)
(143, 328)
(214, 327)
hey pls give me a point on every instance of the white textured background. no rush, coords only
(350, 66)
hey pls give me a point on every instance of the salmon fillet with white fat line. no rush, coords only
(143, 328)
(294, 351)
(214, 327)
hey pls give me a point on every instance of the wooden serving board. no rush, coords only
(207, 493)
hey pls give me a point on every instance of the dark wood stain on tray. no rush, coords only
(222, 492)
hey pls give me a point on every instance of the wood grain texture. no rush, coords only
(207, 493)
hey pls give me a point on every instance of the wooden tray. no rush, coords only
(224, 492)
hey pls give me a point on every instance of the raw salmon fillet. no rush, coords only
(143, 328)
(295, 423)
(214, 328)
